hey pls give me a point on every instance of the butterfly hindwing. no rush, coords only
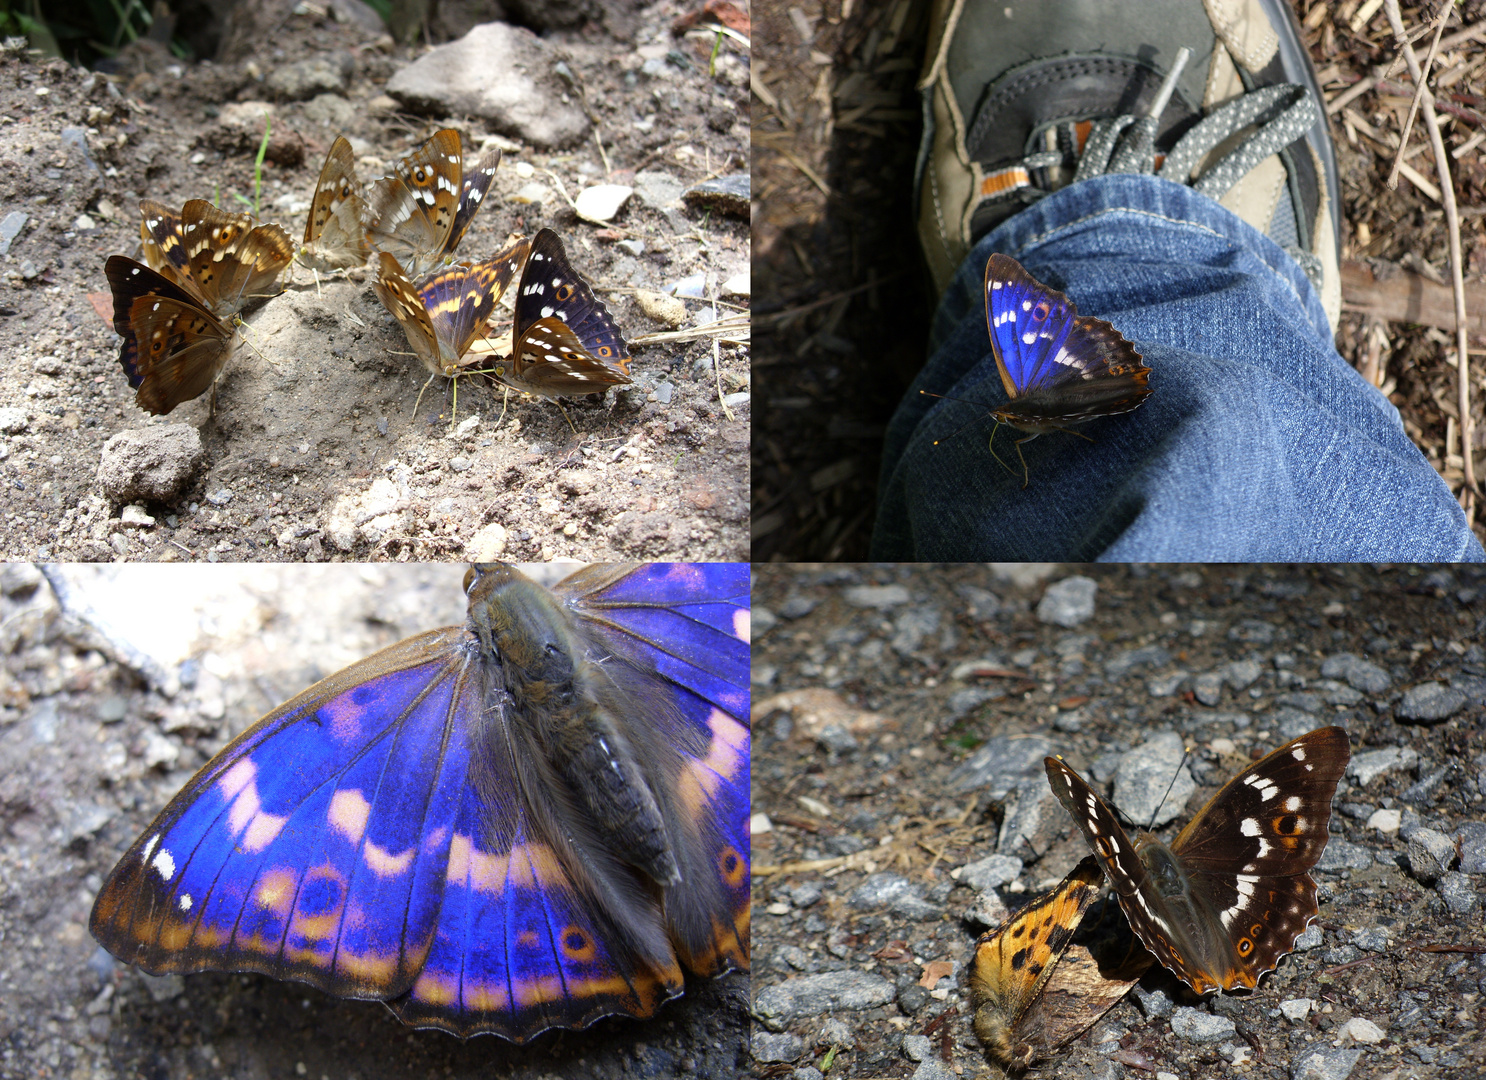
(413, 830)
(226, 259)
(334, 238)
(409, 212)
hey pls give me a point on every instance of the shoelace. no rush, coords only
(1280, 114)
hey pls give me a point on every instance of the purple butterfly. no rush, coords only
(1058, 367)
(531, 821)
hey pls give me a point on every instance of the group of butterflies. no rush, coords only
(530, 821)
(1057, 367)
(202, 265)
(1218, 907)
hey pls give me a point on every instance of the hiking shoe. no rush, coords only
(1022, 97)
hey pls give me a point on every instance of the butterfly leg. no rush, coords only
(419, 401)
(565, 415)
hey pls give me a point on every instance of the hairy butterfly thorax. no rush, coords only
(1225, 901)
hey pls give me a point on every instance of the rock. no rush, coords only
(1148, 656)
(330, 110)
(988, 909)
(1312, 938)
(917, 1047)
(811, 995)
(369, 516)
(1252, 632)
(880, 597)
(768, 1046)
(135, 516)
(1365, 767)
(152, 464)
(1430, 703)
(1358, 673)
(1385, 821)
(835, 1033)
(1154, 1003)
(658, 190)
(1295, 1009)
(1000, 763)
(1364, 1031)
(13, 421)
(601, 202)
(1472, 835)
(934, 1069)
(1195, 1025)
(740, 284)
(1068, 602)
(503, 74)
(835, 739)
(1342, 855)
(661, 308)
(724, 195)
(1208, 687)
(1241, 674)
(1332, 1063)
(1371, 939)
(1430, 854)
(1145, 775)
(326, 73)
(1458, 892)
(488, 543)
(990, 873)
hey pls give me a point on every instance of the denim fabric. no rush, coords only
(1258, 441)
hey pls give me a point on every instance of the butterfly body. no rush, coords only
(442, 317)
(225, 259)
(173, 348)
(411, 829)
(564, 341)
(334, 238)
(1228, 897)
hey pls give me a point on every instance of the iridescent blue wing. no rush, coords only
(398, 832)
(1056, 366)
(552, 289)
(472, 191)
(690, 621)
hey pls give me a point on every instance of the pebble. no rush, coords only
(1252, 632)
(1430, 703)
(1144, 776)
(1430, 854)
(999, 763)
(601, 202)
(1358, 673)
(738, 285)
(1458, 892)
(136, 516)
(1331, 1063)
(1154, 1003)
(991, 872)
(1295, 1009)
(658, 190)
(1194, 1025)
(880, 597)
(934, 1069)
(1343, 855)
(917, 1047)
(10, 227)
(784, 1046)
(152, 464)
(723, 195)
(1472, 836)
(1148, 656)
(693, 285)
(1069, 602)
(1370, 764)
(1385, 821)
(1364, 1031)
(1371, 939)
(811, 995)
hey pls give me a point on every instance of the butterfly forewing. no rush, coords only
(227, 260)
(410, 829)
(334, 238)
(409, 213)
(472, 189)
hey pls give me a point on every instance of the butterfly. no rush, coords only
(1226, 900)
(442, 317)
(1034, 988)
(225, 260)
(1058, 368)
(530, 821)
(174, 348)
(420, 211)
(564, 341)
(333, 236)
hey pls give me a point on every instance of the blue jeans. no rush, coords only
(1257, 443)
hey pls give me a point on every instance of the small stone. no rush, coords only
(1430, 854)
(724, 195)
(1385, 821)
(1430, 703)
(1241, 674)
(1154, 1003)
(1343, 855)
(991, 872)
(658, 190)
(149, 464)
(13, 421)
(532, 192)
(1472, 836)
(693, 286)
(768, 1046)
(635, 247)
(1364, 1031)
(811, 995)
(917, 1047)
(876, 596)
(1068, 602)
(601, 202)
(220, 497)
(1458, 892)
(1358, 673)
(1331, 1063)
(1295, 1009)
(1367, 766)
(1252, 632)
(1313, 937)
(934, 1069)
(737, 285)
(1371, 939)
(660, 307)
(158, 750)
(1195, 1025)
(1208, 687)
(911, 999)
(835, 739)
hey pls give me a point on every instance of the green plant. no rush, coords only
(257, 202)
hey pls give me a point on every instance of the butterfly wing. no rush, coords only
(689, 623)
(471, 194)
(333, 236)
(1014, 962)
(1056, 366)
(226, 259)
(400, 296)
(396, 832)
(409, 213)
(173, 348)
(565, 340)
(460, 300)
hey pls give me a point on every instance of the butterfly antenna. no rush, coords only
(1185, 754)
(967, 401)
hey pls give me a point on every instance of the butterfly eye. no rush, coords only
(471, 576)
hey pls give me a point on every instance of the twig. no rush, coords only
(1403, 139)
(1452, 224)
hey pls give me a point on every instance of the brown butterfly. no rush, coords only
(174, 348)
(565, 342)
(421, 210)
(334, 238)
(224, 259)
(442, 317)
(1226, 900)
